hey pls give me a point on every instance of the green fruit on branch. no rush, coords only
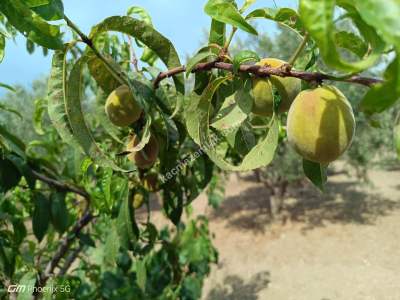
(122, 108)
(320, 124)
(138, 200)
(146, 157)
(150, 182)
(287, 87)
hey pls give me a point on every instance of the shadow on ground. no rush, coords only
(343, 202)
(235, 288)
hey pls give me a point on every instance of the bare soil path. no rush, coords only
(344, 244)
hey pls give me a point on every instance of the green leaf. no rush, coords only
(382, 96)
(141, 12)
(2, 46)
(100, 72)
(41, 216)
(76, 118)
(246, 5)
(234, 110)
(9, 174)
(8, 87)
(316, 173)
(106, 186)
(351, 42)
(5, 107)
(56, 98)
(111, 246)
(225, 12)
(126, 225)
(86, 239)
(59, 212)
(30, 46)
(243, 57)
(31, 25)
(12, 142)
(198, 58)
(148, 55)
(284, 16)
(51, 11)
(230, 116)
(7, 260)
(145, 137)
(317, 17)
(173, 204)
(141, 274)
(24, 169)
(217, 33)
(40, 108)
(146, 34)
(197, 122)
(35, 3)
(382, 15)
(28, 281)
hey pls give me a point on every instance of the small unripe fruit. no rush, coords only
(146, 157)
(288, 88)
(122, 108)
(320, 124)
(138, 200)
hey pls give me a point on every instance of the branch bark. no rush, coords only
(85, 39)
(60, 185)
(64, 247)
(70, 237)
(70, 260)
(261, 71)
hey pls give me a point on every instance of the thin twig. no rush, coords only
(70, 260)
(228, 42)
(63, 186)
(69, 238)
(133, 57)
(64, 246)
(85, 39)
(299, 49)
(261, 71)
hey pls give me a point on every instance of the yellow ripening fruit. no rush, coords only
(146, 157)
(320, 124)
(122, 108)
(138, 200)
(150, 182)
(288, 88)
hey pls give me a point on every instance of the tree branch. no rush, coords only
(85, 39)
(260, 71)
(299, 49)
(64, 246)
(60, 185)
(69, 260)
(69, 238)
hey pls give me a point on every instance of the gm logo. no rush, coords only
(16, 288)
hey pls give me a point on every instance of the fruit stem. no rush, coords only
(89, 42)
(299, 49)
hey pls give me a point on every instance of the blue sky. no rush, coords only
(182, 21)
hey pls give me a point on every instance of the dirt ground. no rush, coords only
(344, 244)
